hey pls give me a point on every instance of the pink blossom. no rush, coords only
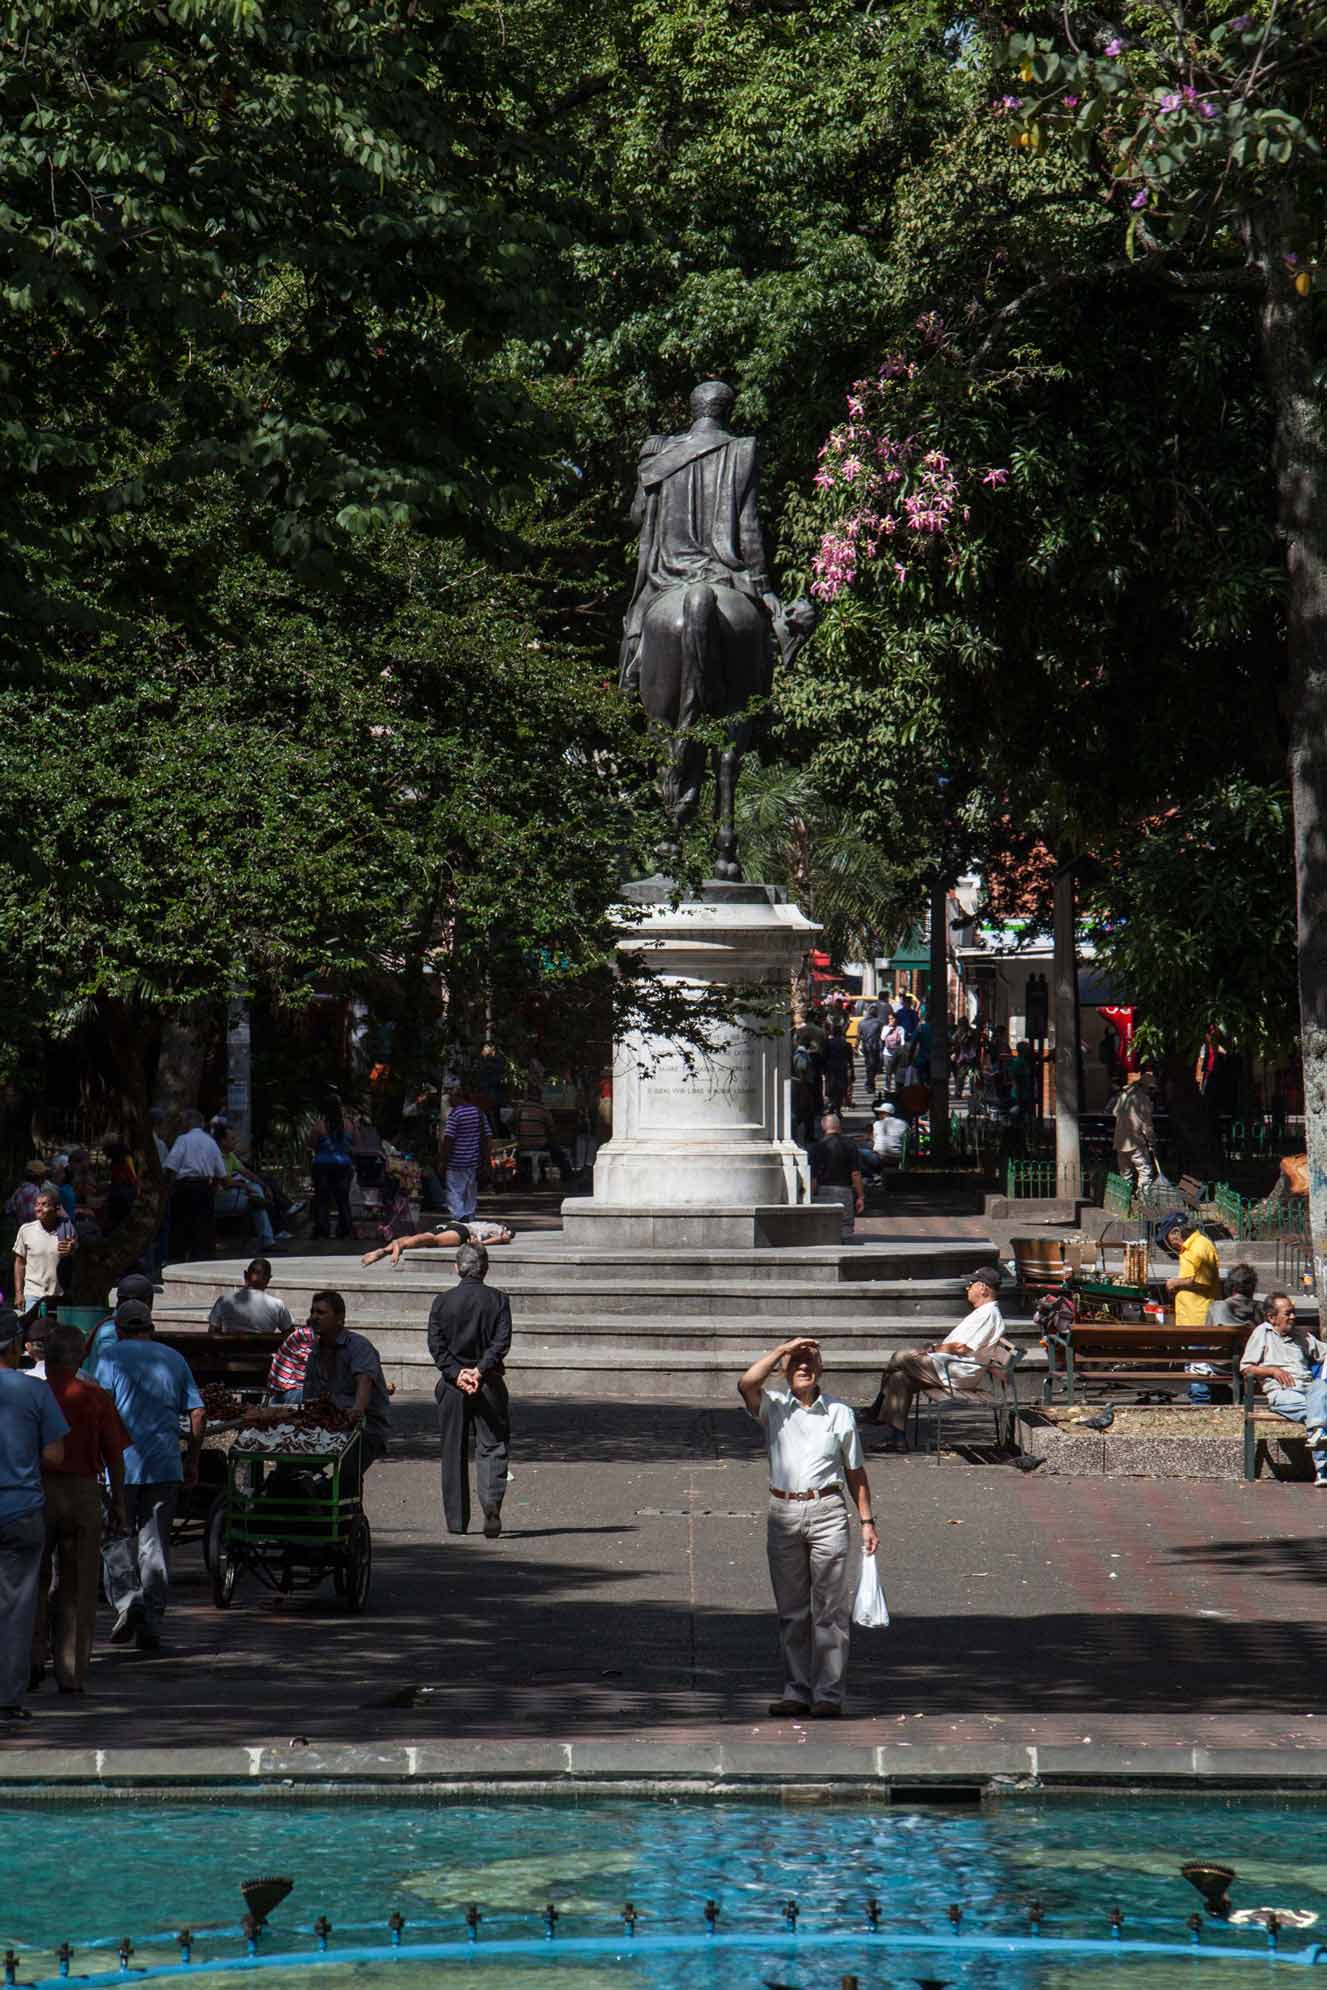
(1071, 103)
(1170, 102)
(1140, 198)
(900, 573)
(1208, 110)
(1115, 49)
(855, 406)
(1012, 103)
(851, 468)
(823, 480)
(995, 478)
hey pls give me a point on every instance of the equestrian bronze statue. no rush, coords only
(700, 636)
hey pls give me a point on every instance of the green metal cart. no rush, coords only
(291, 1519)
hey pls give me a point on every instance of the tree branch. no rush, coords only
(1246, 278)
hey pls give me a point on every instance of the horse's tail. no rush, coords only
(700, 658)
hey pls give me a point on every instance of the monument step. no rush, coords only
(625, 1372)
(736, 1336)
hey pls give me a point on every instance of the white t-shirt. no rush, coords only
(809, 1445)
(1266, 1348)
(40, 1250)
(980, 1331)
(195, 1157)
(249, 1312)
(888, 1137)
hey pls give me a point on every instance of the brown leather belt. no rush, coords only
(821, 1492)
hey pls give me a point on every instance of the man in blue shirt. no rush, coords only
(153, 1389)
(104, 1335)
(32, 1433)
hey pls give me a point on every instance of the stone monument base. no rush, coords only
(593, 1225)
(710, 1130)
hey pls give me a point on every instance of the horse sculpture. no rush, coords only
(700, 635)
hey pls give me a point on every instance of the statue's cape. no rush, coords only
(676, 453)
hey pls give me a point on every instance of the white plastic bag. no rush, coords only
(869, 1608)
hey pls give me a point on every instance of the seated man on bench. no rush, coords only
(1288, 1360)
(960, 1362)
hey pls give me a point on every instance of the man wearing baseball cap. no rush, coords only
(959, 1362)
(104, 1336)
(32, 1434)
(153, 1388)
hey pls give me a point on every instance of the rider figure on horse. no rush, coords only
(696, 639)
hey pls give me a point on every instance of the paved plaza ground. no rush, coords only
(628, 1600)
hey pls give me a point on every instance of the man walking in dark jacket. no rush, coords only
(469, 1337)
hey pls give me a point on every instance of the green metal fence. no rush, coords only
(1029, 1180)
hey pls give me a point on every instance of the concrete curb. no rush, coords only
(939, 1772)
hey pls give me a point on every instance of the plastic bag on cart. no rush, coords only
(869, 1608)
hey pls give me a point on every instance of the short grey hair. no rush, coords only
(831, 1122)
(472, 1261)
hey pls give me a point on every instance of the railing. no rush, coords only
(1031, 1180)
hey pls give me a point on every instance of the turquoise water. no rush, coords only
(91, 1874)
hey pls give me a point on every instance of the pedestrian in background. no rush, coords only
(96, 1443)
(40, 1251)
(466, 1139)
(154, 1392)
(32, 1434)
(836, 1173)
(469, 1339)
(194, 1171)
(333, 1169)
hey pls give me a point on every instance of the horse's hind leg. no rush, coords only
(729, 765)
(681, 777)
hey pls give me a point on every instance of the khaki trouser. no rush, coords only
(67, 1615)
(907, 1374)
(807, 1544)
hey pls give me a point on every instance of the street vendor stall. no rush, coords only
(292, 1512)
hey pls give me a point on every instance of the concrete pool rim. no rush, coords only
(889, 1773)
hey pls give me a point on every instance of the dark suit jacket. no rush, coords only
(469, 1327)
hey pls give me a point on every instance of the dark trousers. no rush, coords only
(193, 1220)
(488, 1414)
(329, 1183)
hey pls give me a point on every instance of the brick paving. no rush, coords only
(628, 1599)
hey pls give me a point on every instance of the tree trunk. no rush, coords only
(180, 1064)
(937, 1015)
(123, 1083)
(1068, 1155)
(1301, 477)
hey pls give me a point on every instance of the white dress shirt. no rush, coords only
(810, 1444)
(195, 1157)
(980, 1331)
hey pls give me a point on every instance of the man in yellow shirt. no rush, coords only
(1197, 1283)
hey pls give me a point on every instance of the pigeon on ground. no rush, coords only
(1101, 1421)
(1027, 1463)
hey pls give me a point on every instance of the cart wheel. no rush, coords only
(223, 1576)
(356, 1572)
(214, 1530)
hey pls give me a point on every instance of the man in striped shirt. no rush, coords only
(465, 1145)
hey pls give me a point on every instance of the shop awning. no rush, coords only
(911, 954)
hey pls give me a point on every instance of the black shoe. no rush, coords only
(796, 1708)
(492, 1523)
(35, 1677)
(148, 1640)
(127, 1624)
(14, 1714)
(827, 1710)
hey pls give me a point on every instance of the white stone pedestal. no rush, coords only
(718, 1136)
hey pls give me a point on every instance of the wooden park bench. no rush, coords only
(1145, 1355)
(1261, 1420)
